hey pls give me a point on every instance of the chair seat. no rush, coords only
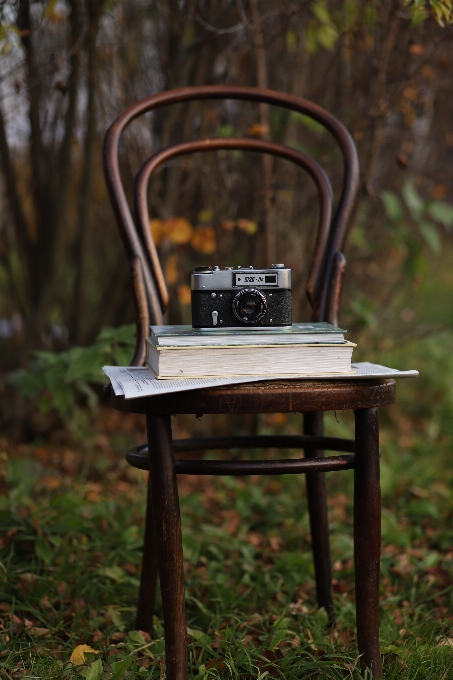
(273, 396)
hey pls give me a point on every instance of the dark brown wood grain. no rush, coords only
(264, 467)
(167, 528)
(367, 538)
(319, 521)
(149, 574)
(280, 396)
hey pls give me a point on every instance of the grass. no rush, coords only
(71, 546)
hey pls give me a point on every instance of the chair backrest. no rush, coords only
(328, 264)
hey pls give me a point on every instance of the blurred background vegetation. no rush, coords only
(68, 68)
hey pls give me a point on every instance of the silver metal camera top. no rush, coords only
(205, 278)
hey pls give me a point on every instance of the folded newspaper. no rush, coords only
(131, 382)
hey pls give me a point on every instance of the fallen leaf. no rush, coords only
(146, 636)
(51, 482)
(28, 577)
(118, 636)
(178, 230)
(77, 657)
(275, 542)
(416, 49)
(258, 130)
(98, 635)
(39, 632)
(249, 226)
(45, 602)
(206, 215)
(446, 642)
(203, 240)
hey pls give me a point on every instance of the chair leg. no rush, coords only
(150, 570)
(367, 538)
(167, 528)
(319, 523)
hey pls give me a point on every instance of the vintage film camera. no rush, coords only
(241, 297)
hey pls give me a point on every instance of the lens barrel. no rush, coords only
(249, 305)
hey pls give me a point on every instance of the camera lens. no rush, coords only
(249, 305)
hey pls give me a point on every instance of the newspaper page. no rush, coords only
(133, 382)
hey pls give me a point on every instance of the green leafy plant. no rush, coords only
(414, 221)
(442, 10)
(64, 380)
(322, 31)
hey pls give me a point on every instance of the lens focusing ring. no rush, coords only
(242, 297)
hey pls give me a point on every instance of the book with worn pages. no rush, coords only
(186, 336)
(205, 361)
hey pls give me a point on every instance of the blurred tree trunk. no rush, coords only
(95, 10)
(42, 229)
(262, 81)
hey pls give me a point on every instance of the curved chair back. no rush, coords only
(327, 268)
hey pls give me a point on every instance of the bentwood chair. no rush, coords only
(162, 555)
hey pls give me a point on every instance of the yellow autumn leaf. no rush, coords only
(184, 294)
(171, 270)
(178, 230)
(205, 216)
(157, 230)
(78, 655)
(258, 130)
(203, 240)
(249, 226)
(39, 632)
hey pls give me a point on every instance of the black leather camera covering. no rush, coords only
(279, 309)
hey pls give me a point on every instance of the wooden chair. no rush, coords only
(163, 549)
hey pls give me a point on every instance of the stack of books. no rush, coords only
(304, 349)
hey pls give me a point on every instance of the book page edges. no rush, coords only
(290, 376)
(162, 348)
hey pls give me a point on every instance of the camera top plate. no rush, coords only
(205, 278)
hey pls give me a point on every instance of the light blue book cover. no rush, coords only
(304, 333)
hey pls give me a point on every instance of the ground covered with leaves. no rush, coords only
(72, 519)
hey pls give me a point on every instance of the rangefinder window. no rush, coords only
(258, 279)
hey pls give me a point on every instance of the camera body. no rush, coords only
(241, 297)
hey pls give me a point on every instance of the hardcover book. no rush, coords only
(186, 336)
(249, 360)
